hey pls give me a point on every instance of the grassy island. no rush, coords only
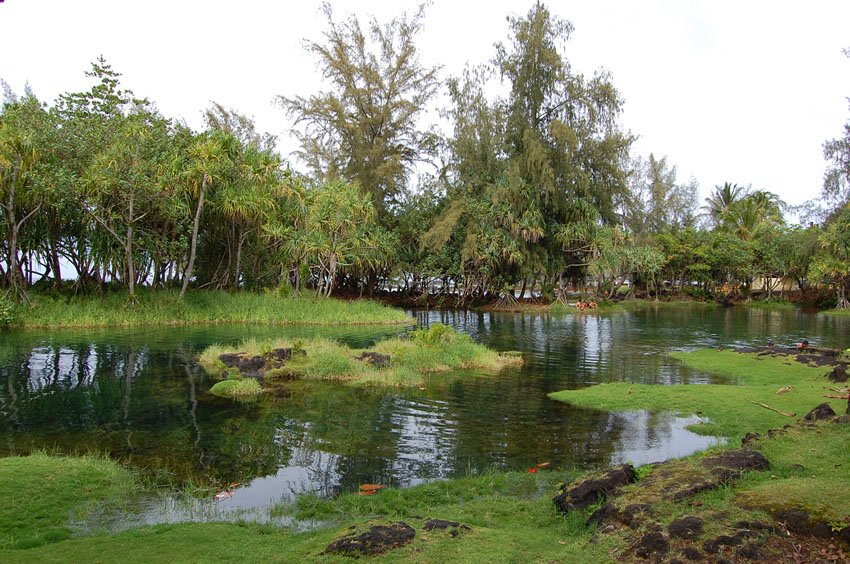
(391, 362)
(164, 307)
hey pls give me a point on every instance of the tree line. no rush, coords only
(533, 186)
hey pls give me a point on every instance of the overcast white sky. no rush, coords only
(739, 91)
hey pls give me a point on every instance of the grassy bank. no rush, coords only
(836, 312)
(391, 362)
(510, 515)
(728, 408)
(40, 493)
(164, 307)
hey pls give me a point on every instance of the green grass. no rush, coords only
(437, 349)
(774, 303)
(836, 312)
(41, 492)
(164, 307)
(511, 516)
(728, 407)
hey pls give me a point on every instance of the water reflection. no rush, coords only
(141, 397)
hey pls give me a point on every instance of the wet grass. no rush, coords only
(729, 408)
(164, 307)
(511, 516)
(236, 388)
(511, 513)
(410, 360)
(41, 492)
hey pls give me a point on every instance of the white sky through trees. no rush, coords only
(737, 91)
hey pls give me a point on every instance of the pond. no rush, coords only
(139, 396)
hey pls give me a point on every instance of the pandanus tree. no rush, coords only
(205, 167)
(122, 184)
(340, 232)
(832, 263)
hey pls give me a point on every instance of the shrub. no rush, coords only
(7, 310)
(437, 334)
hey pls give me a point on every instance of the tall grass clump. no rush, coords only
(164, 307)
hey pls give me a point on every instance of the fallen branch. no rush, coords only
(764, 405)
(833, 396)
(784, 390)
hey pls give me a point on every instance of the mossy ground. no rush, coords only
(164, 307)
(727, 407)
(236, 388)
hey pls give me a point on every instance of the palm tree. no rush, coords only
(724, 197)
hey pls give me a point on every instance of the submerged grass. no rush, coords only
(164, 307)
(729, 408)
(409, 362)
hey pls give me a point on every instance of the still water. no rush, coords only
(140, 396)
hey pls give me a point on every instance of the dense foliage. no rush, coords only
(535, 188)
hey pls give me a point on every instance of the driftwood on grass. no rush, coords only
(764, 405)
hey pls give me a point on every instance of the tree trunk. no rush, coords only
(128, 249)
(188, 273)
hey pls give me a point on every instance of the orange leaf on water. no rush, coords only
(372, 488)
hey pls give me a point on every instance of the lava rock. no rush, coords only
(823, 411)
(750, 438)
(838, 374)
(692, 553)
(442, 525)
(377, 540)
(230, 360)
(652, 543)
(376, 359)
(712, 546)
(606, 513)
(686, 528)
(593, 490)
(731, 464)
(750, 551)
(251, 364)
(282, 355)
(798, 521)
